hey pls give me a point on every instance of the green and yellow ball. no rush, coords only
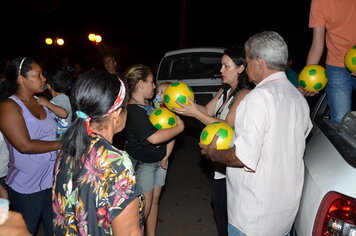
(313, 78)
(162, 118)
(225, 131)
(177, 91)
(350, 59)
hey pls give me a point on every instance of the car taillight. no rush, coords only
(336, 216)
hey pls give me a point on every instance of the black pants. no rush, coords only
(219, 203)
(33, 207)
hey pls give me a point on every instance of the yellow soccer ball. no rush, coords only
(177, 91)
(350, 59)
(162, 118)
(313, 78)
(225, 131)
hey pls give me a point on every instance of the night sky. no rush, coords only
(140, 32)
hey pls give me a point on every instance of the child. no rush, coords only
(146, 145)
(158, 100)
(157, 103)
(58, 83)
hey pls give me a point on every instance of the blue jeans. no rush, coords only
(233, 231)
(339, 91)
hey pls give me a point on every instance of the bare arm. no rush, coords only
(201, 113)
(163, 135)
(230, 117)
(164, 161)
(315, 52)
(15, 225)
(127, 223)
(13, 127)
(317, 48)
(225, 156)
(59, 111)
(3, 192)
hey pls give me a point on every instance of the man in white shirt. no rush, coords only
(265, 171)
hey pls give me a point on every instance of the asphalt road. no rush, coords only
(185, 204)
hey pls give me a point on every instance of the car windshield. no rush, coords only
(196, 65)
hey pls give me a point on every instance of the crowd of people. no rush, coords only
(61, 166)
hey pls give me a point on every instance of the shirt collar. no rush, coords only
(275, 76)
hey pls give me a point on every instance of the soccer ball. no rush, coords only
(162, 118)
(350, 59)
(225, 131)
(177, 91)
(313, 78)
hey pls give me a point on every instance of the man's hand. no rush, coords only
(210, 150)
(306, 92)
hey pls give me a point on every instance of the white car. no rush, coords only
(197, 67)
(328, 204)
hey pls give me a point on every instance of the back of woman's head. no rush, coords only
(237, 55)
(134, 74)
(95, 92)
(18, 66)
(94, 95)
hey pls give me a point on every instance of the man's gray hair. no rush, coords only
(269, 46)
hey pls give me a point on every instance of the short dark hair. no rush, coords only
(59, 80)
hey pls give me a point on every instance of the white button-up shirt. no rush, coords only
(271, 126)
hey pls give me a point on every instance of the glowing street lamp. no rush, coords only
(60, 41)
(95, 38)
(91, 37)
(57, 41)
(48, 41)
(98, 38)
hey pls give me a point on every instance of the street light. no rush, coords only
(95, 38)
(57, 41)
(48, 41)
(91, 37)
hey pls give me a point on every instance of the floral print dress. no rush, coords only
(86, 204)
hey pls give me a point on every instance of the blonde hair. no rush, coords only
(134, 74)
(164, 83)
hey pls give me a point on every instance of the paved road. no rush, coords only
(185, 204)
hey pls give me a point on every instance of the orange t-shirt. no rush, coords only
(339, 19)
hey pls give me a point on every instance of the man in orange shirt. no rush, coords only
(333, 22)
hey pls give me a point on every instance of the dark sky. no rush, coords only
(141, 31)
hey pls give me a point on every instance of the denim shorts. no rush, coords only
(150, 175)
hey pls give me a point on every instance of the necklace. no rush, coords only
(148, 108)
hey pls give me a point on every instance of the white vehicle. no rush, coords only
(328, 204)
(197, 67)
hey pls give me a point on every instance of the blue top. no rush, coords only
(292, 76)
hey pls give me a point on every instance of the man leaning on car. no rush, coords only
(265, 166)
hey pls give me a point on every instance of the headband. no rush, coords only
(20, 66)
(118, 102)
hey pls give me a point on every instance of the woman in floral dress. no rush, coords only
(95, 191)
